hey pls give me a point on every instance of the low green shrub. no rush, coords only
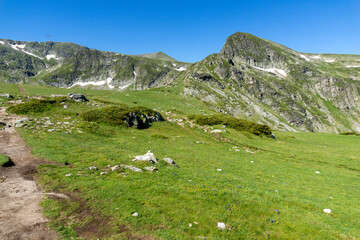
(236, 123)
(32, 106)
(350, 133)
(141, 117)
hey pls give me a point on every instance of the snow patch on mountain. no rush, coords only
(329, 60)
(304, 57)
(276, 71)
(315, 57)
(50, 56)
(108, 81)
(181, 69)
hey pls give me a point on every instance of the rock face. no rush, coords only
(287, 90)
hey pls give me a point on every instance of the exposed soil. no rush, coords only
(20, 214)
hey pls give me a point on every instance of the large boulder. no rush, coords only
(148, 157)
(78, 97)
(5, 95)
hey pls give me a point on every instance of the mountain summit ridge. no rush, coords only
(250, 77)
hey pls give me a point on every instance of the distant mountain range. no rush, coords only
(251, 77)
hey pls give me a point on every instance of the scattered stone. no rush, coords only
(317, 172)
(252, 161)
(52, 130)
(221, 225)
(149, 157)
(249, 151)
(93, 168)
(171, 162)
(78, 97)
(22, 122)
(217, 131)
(102, 173)
(135, 214)
(65, 106)
(132, 168)
(6, 95)
(151, 169)
(68, 175)
(196, 222)
(190, 225)
(116, 167)
(328, 211)
(219, 170)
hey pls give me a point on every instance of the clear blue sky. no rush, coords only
(186, 30)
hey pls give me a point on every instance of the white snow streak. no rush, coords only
(304, 57)
(329, 60)
(108, 81)
(315, 57)
(2, 42)
(273, 70)
(50, 56)
(181, 69)
(89, 83)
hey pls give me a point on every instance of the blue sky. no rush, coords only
(186, 30)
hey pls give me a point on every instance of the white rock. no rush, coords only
(93, 168)
(170, 161)
(115, 167)
(219, 170)
(148, 157)
(68, 175)
(317, 172)
(150, 169)
(252, 161)
(196, 222)
(326, 210)
(221, 225)
(135, 214)
(217, 131)
(190, 225)
(102, 173)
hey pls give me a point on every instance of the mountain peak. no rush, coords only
(157, 55)
(255, 51)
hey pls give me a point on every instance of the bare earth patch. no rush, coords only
(20, 214)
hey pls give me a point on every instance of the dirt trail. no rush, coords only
(20, 214)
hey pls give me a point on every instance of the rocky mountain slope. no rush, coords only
(251, 78)
(285, 89)
(68, 64)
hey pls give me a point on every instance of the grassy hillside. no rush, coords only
(259, 187)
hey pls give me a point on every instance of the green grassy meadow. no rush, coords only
(259, 187)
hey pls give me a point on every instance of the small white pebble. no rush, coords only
(317, 172)
(196, 222)
(328, 211)
(331, 197)
(102, 173)
(221, 225)
(68, 175)
(219, 170)
(135, 214)
(190, 225)
(252, 161)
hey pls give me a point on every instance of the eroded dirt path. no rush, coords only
(20, 214)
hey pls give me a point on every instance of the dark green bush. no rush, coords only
(33, 106)
(350, 133)
(121, 116)
(236, 123)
